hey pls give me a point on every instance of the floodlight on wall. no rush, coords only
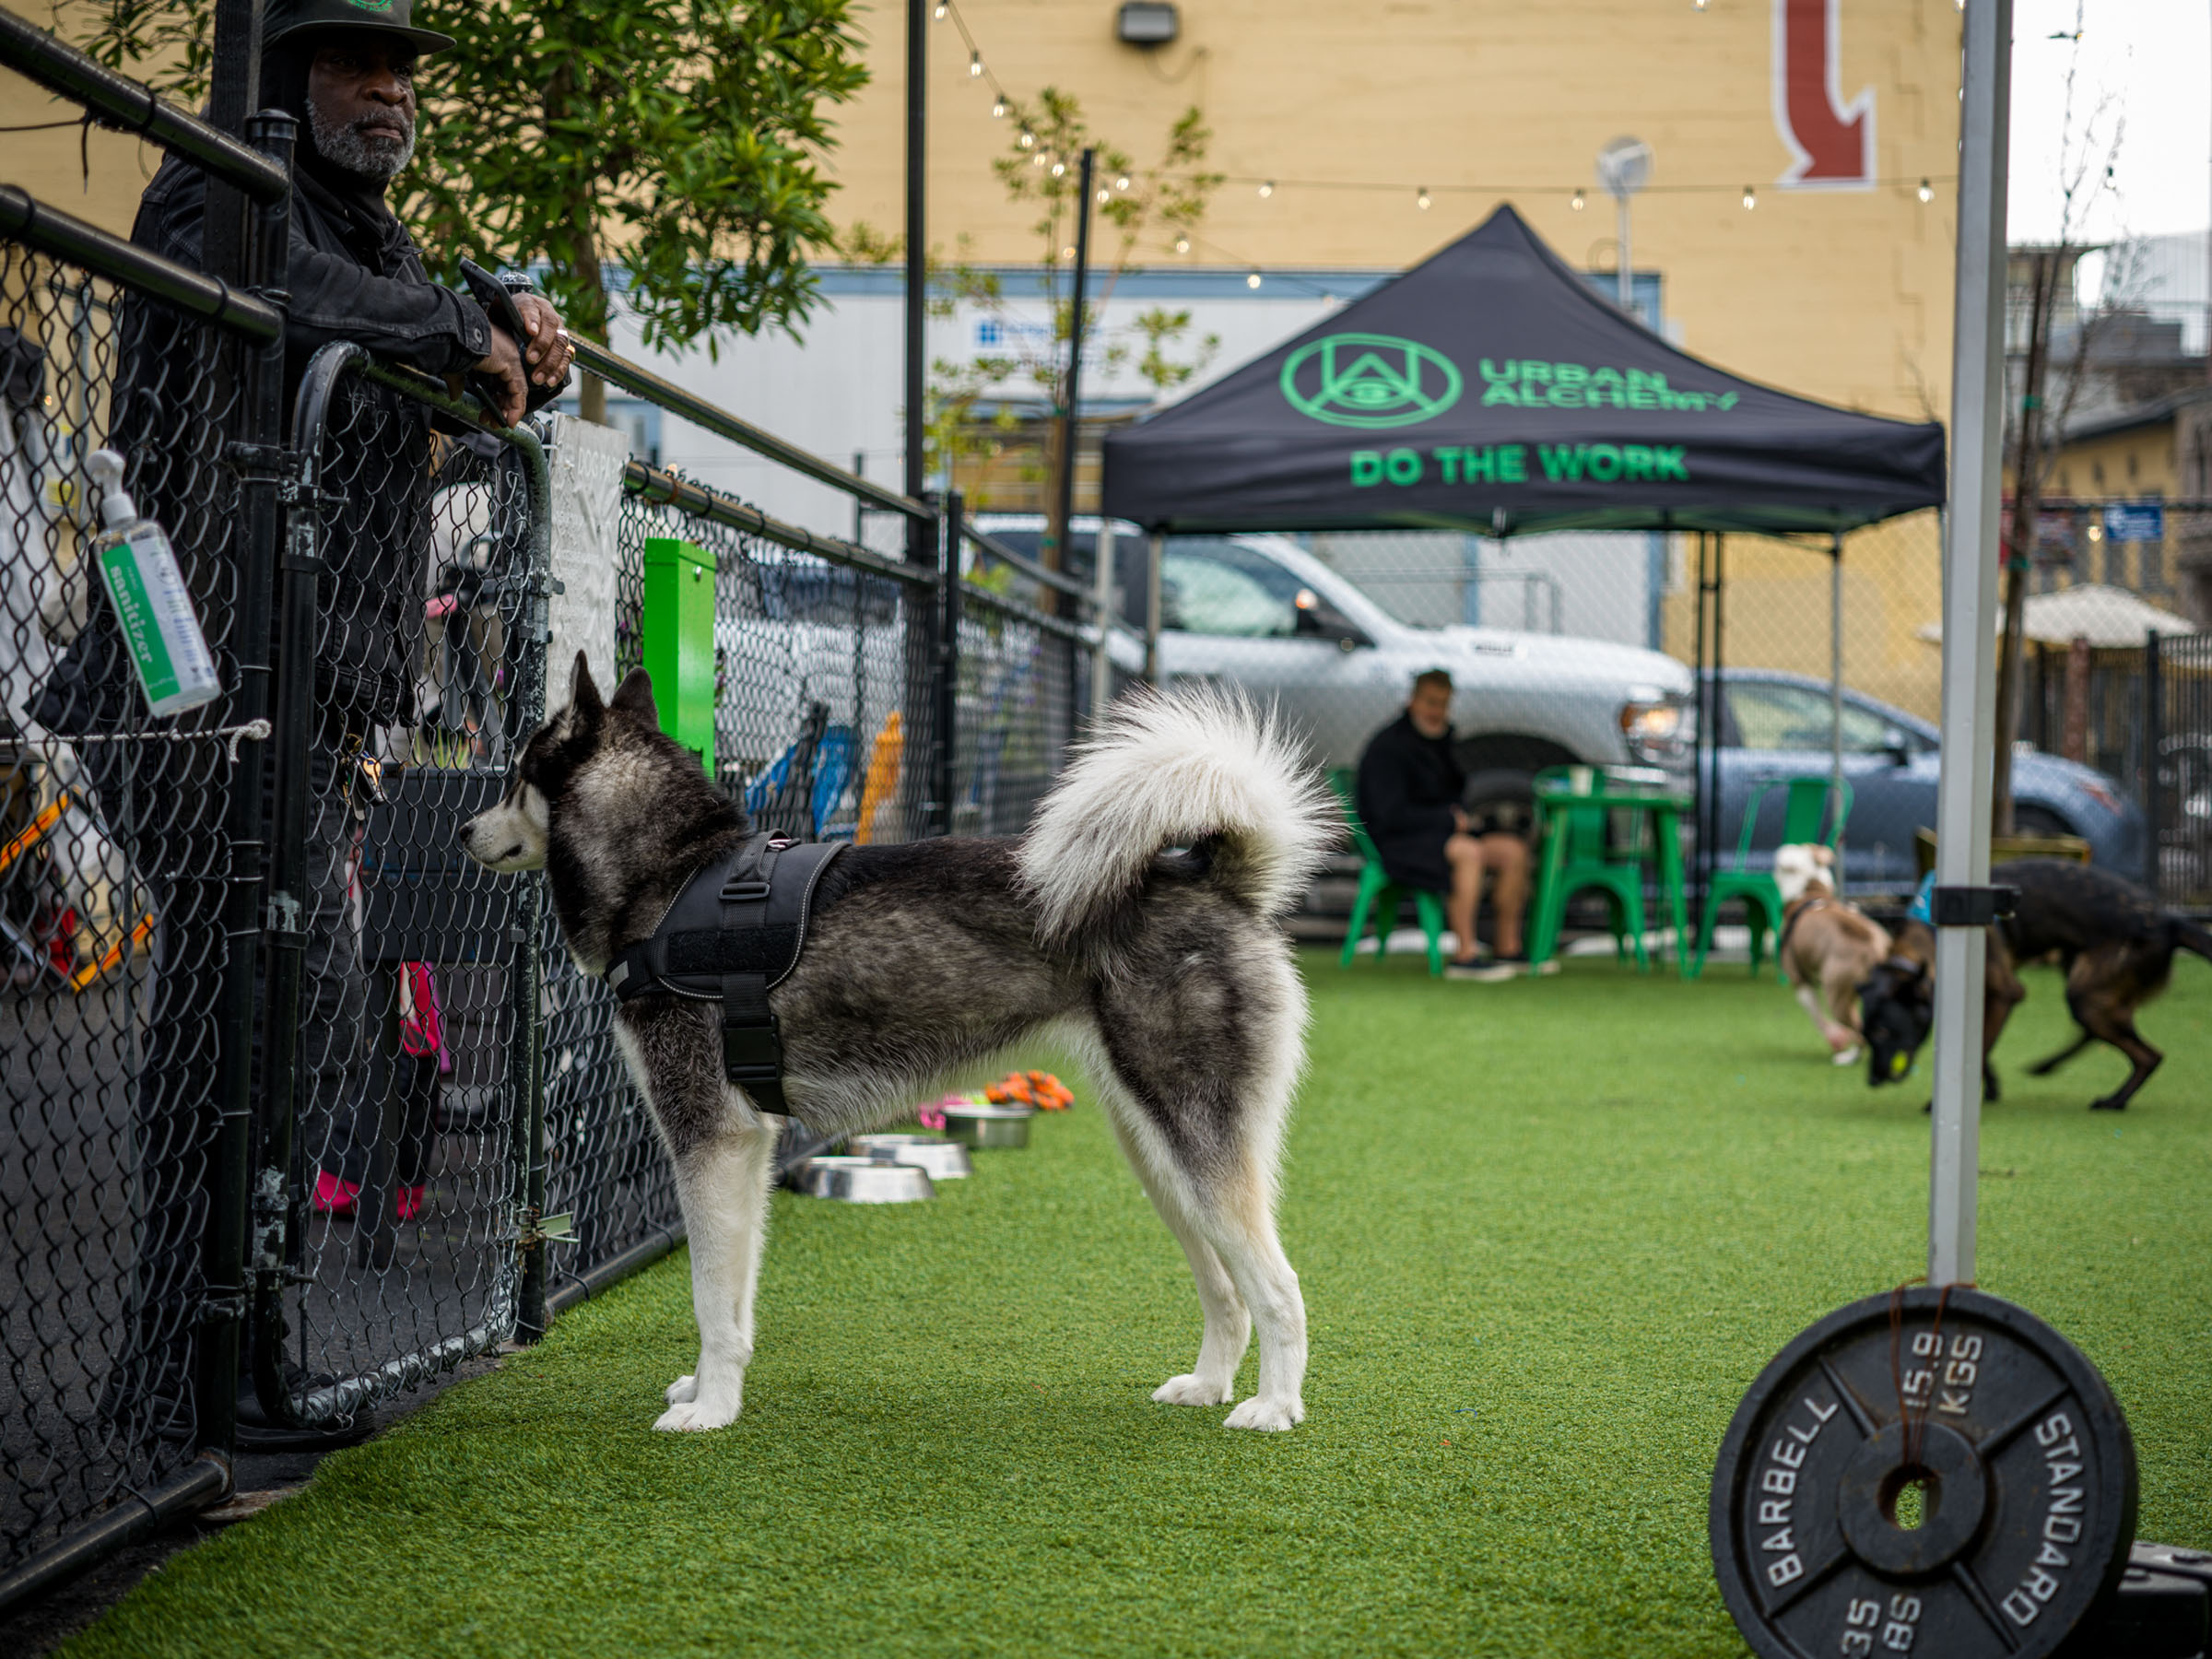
(1146, 23)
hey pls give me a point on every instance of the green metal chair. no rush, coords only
(1379, 896)
(1803, 809)
(1583, 863)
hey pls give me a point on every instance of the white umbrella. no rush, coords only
(2110, 618)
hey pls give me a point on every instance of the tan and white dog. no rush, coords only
(1828, 946)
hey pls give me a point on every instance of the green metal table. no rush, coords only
(1665, 808)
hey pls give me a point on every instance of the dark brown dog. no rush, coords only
(2113, 940)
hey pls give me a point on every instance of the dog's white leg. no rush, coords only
(722, 1185)
(1243, 1233)
(1213, 1381)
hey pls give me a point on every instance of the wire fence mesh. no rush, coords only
(113, 864)
(408, 1117)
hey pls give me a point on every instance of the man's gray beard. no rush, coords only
(347, 146)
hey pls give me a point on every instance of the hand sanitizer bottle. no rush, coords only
(150, 599)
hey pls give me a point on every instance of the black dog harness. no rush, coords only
(732, 934)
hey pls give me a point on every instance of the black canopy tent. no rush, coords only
(1490, 390)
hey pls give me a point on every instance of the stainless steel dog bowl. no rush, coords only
(944, 1160)
(874, 1179)
(989, 1126)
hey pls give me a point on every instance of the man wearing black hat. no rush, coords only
(344, 69)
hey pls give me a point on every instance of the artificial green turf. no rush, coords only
(1548, 1233)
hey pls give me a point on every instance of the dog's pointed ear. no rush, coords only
(634, 695)
(583, 695)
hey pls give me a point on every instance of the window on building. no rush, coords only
(2115, 561)
(2152, 560)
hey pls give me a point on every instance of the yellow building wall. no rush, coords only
(1841, 294)
(2127, 464)
(96, 176)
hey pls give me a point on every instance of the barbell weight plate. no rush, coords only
(2018, 1454)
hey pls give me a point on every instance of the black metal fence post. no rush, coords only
(526, 977)
(2154, 740)
(944, 753)
(259, 457)
(275, 1202)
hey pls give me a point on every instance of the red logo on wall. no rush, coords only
(1832, 142)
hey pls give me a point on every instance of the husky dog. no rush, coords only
(1135, 921)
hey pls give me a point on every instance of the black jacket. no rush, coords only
(354, 276)
(1408, 786)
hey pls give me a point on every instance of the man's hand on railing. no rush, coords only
(502, 369)
(549, 348)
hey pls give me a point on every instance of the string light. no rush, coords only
(1927, 191)
(1252, 281)
(998, 108)
(1578, 201)
(1028, 139)
(1058, 168)
(1122, 183)
(1037, 159)
(1067, 252)
(1266, 189)
(939, 14)
(1183, 244)
(1697, 5)
(1105, 196)
(1421, 200)
(1750, 198)
(975, 66)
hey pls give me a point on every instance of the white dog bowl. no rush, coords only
(944, 1160)
(874, 1179)
(983, 1126)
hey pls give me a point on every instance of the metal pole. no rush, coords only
(1101, 665)
(1156, 554)
(946, 752)
(1055, 552)
(918, 545)
(262, 432)
(2154, 739)
(1970, 597)
(1835, 687)
(1628, 281)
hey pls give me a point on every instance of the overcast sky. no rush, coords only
(2152, 60)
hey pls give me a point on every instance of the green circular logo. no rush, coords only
(1366, 380)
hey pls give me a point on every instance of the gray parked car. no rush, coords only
(1776, 725)
(1259, 612)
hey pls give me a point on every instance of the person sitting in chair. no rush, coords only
(1409, 792)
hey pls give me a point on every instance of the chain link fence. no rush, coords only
(302, 1108)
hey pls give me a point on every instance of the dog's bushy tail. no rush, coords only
(1197, 767)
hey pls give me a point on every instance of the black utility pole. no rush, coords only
(917, 245)
(1064, 500)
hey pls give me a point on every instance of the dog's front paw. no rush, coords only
(1270, 1415)
(683, 1390)
(692, 1416)
(1191, 1389)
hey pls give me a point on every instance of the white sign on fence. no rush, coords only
(587, 510)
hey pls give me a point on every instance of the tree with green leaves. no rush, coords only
(1161, 207)
(676, 141)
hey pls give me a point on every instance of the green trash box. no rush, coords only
(679, 629)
